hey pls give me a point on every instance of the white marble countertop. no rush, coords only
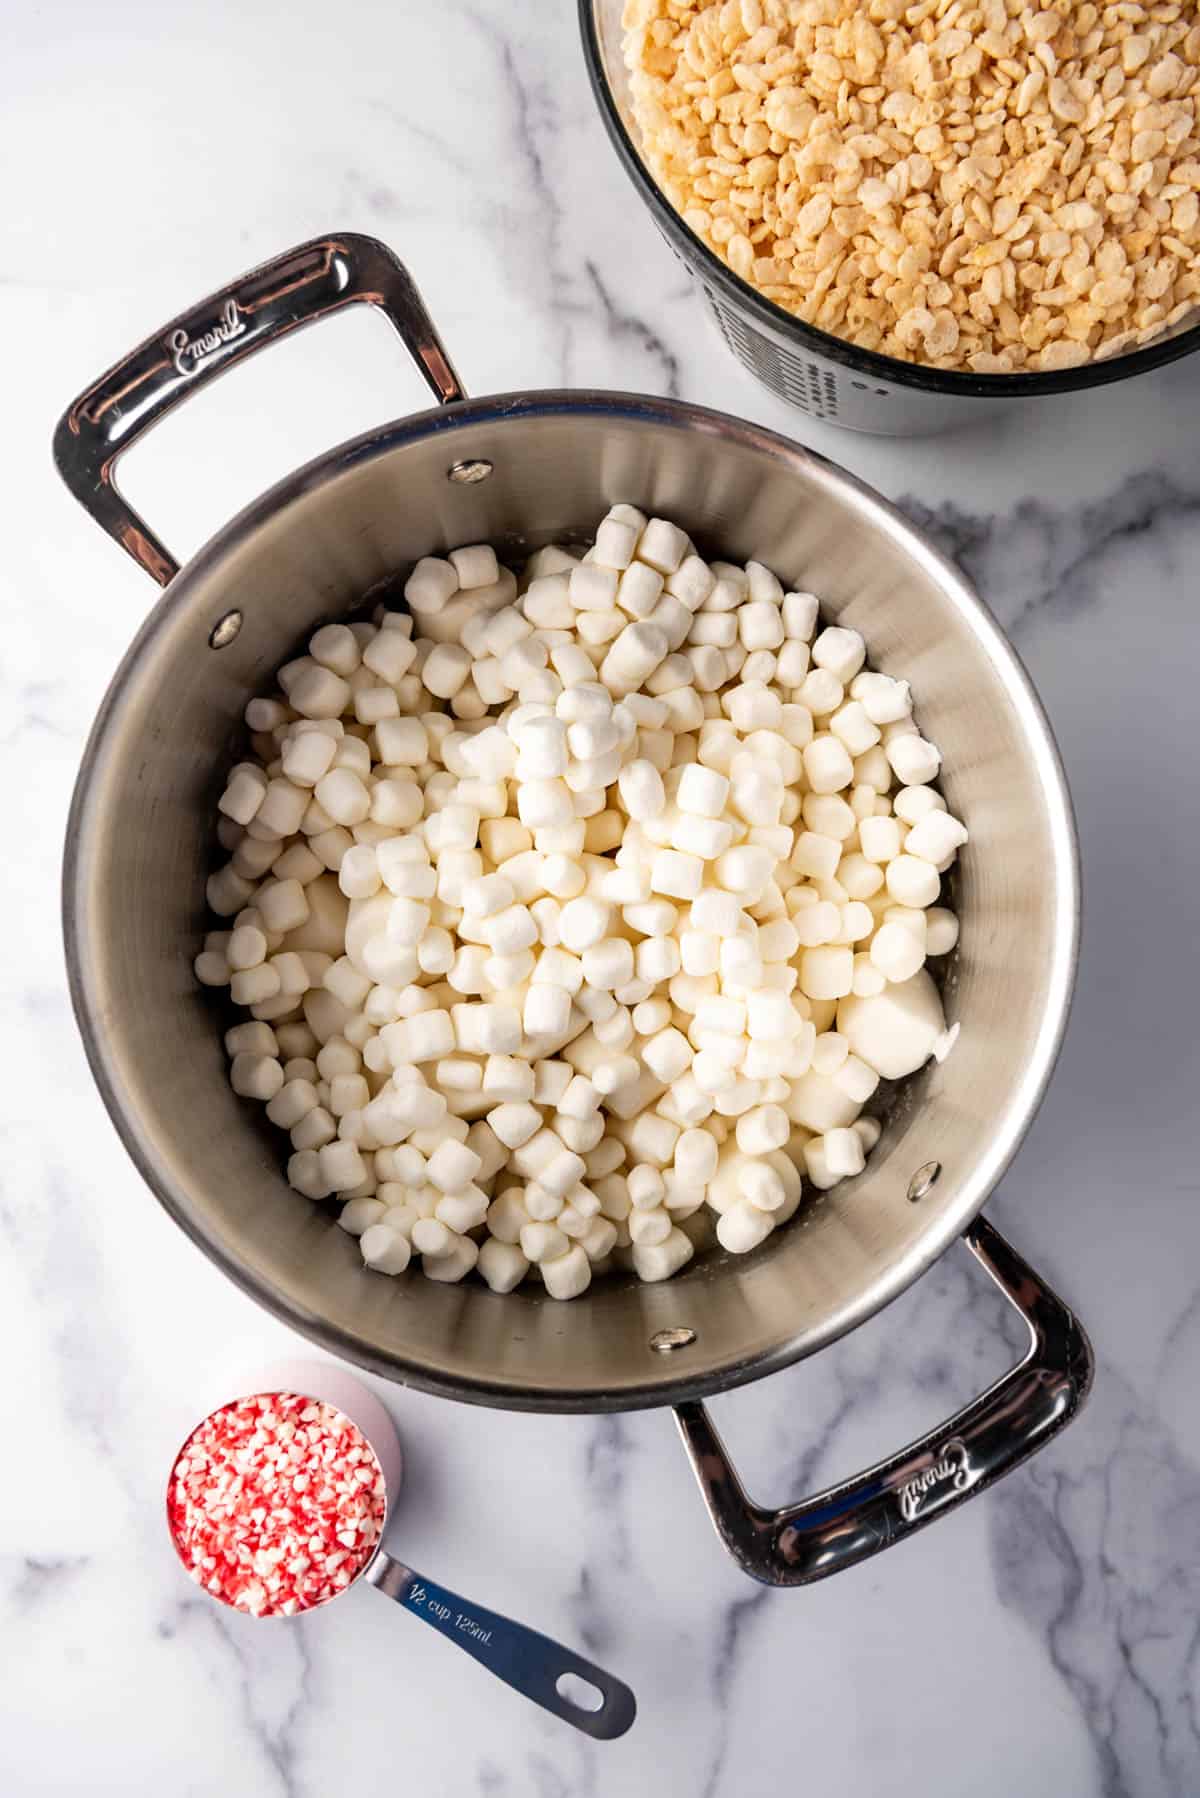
(1044, 1639)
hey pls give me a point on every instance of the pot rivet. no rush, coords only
(468, 473)
(665, 1342)
(924, 1180)
(225, 630)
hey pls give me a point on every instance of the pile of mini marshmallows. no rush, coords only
(579, 913)
(276, 1503)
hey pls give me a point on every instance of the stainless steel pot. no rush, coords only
(821, 374)
(520, 470)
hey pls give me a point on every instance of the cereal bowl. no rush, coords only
(827, 376)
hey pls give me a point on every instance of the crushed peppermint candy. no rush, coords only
(276, 1503)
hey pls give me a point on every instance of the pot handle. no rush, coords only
(303, 285)
(990, 1436)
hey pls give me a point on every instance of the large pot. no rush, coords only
(521, 470)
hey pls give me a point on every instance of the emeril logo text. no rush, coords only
(952, 1468)
(187, 353)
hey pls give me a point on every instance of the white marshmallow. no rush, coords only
(634, 655)
(894, 1032)
(501, 1263)
(913, 760)
(941, 933)
(827, 764)
(658, 1261)
(912, 882)
(841, 652)
(475, 566)
(385, 1248)
(936, 838)
(743, 1226)
(431, 583)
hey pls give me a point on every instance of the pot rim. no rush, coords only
(1028, 1092)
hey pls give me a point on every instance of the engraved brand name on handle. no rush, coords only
(952, 1468)
(187, 353)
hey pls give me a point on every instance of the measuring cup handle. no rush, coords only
(531, 1663)
(301, 287)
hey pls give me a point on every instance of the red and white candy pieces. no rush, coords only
(276, 1503)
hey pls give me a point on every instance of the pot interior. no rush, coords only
(142, 842)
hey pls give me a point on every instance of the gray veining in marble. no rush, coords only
(1045, 1640)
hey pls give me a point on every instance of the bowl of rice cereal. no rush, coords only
(900, 214)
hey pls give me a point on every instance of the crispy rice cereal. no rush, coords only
(972, 186)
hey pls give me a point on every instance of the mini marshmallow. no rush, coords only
(912, 882)
(593, 588)
(936, 838)
(634, 655)
(542, 803)
(401, 742)
(702, 791)
(384, 1248)
(842, 652)
(838, 1155)
(662, 545)
(342, 1166)
(543, 1241)
(501, 1264)
(762, 1129)
(616, 540)
(827, 764)
(486, 1029)
(658, 1261)
(256, 1076)
(816, 856)
(641, 789)
(880, 838)
(745, 870)
(431, 583)
(452, 1166)
(743, 1226)
(547, 1011)
(609, 963)
(667, 1054)
(676, 875)
(897, 952)
(463, 1210)
(584, 922)
(646, 1186)
(475, 566)
(445, 669)
(427, 1037)
(567, 1276)
(821, 692)
(541, 748)
(853, 728)
(914, 803)
(318, 692)
(913, 760)
(941, 930)
(827, 972)
(639, 589)
(884, 700)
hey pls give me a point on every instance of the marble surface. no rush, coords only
(1043, 1640)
